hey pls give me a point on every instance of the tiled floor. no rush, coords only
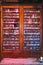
(18, 61)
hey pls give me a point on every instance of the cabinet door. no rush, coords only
(10, 28)
(32, 29)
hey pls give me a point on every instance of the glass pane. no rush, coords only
(10, 29)
(31, 29)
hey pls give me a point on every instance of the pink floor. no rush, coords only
(19, 61)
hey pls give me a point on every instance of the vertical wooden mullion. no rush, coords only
(41, 29)
(21, 28)
(41, 46)
(1, 29)
(0, 33)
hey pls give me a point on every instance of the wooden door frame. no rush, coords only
(25, 53)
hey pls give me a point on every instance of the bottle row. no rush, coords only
(32, 10)
(32, 33)
(25, 39)
(31, 20)
(14, 42)
(31, 25)
(31, 39)
(11, 28)
(33, 45)
(11, 14)
(10, 31)
(16, 16)
(32, 28)
(24, 33)
(10, 17)
(31, 17)
(11, 25)
(32, 48)
(11, 38)
(17, 48)
(25, 23)
(10, 10)
(9, 44)
(16, 24)
(31, 14)
(10, 48)
(17, 27)
(25, 36)
(16, 20)
(17, 45)
(17, 30)
(32, 36)
(11, 20)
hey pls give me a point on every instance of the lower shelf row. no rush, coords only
(24, 48)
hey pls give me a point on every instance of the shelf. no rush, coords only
(35, 23)
(11, 45)
(11, 22)
(11, 39)
(8, 28)
(10, 12)
(31, 18)
(31, 28)
(32, 39)
(10, 17)
(33, 45)
(31, 11)
(10, 33)
(32, 33)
